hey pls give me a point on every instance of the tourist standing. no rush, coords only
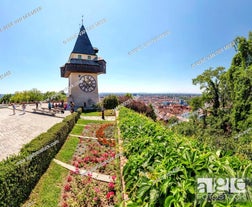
(14, 108)
(36, 105)
(65, 106)
(23, 108)
(49, 105)
(72, 106)
(103, 117)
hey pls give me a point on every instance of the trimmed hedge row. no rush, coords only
(20, 173)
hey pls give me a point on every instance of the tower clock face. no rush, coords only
(87, 83)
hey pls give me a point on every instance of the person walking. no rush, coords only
(103, 117)
(72, 106)
(14, 108)
(23, 108)
(49, 105)
(36, 105)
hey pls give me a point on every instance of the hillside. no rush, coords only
(167, 169)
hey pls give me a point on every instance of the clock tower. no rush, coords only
(82, 70)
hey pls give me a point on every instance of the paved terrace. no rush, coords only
(19, 129)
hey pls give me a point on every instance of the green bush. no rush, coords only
(20, 173)
(162, 166)
(110, 102)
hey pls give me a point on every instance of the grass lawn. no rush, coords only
(83, 122)
(48, 190)
(108, 112)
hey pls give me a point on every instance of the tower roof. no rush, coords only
(83, 44)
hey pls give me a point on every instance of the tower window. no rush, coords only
(89, 57)
(79, 56)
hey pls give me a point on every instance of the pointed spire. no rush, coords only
(83, 44)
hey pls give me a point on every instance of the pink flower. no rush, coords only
(95, 198)
(64, 205)
(111, 185)
(95, 152)
(110, 194)
(76, 164)
(102, 159)
(86, 159)
(69, 179)
(89, 177)
(97, 190)
(112, 154)
(113, 177)
(77, 170)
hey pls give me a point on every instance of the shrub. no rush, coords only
(20, 173)
(110, 102)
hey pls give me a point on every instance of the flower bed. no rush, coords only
(80, 190)
(105, 135)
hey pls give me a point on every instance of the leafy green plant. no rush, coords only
(153, 152)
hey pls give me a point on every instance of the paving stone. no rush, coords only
(19, 129)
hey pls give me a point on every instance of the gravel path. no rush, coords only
(19, 129)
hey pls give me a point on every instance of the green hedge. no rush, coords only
(20, 173)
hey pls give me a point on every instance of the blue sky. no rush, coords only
(33, 50)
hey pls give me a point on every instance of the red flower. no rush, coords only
(69, 179)
(102, 159)
(64, 204)
(111, 185)
(113, 177)
(89, 176)
(105, 155)
(110, 195)
(86, 159)
(112, 154)
(67, 187)
(76, 164)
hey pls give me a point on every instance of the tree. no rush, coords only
(196, 103)
(6, 98)
(151, 112)
(110, 102)
(229, 93)
(27, 96)
(239, 79)
(209, 81)
(35, 95)
(129, 95)
(141, 107)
